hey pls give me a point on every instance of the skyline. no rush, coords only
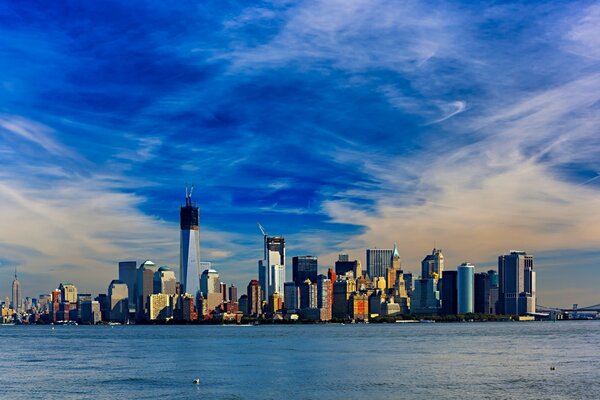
(339, 125)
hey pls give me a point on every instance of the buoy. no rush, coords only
(196, 381)
(552, 368)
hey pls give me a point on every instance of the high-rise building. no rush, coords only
(378, 262)
(17, 295)
(224, 292)
(433, 264)
(425, 299)
(68, 292)
(233, 293)
(210, 282)
(449, 293)
(408, 283)
(325, 297)
(482, 293)
(144, 288)
(90, 312)
(342, 289)
(275, 303)
(165, 281)
(308, 294)
(358, 306)
(254, 298)
(303, 268)
(516, 283)
(159, 307)
(243, 304)
(128, 274)
(396, 265)
(291, 296)
(190, 246)
(465, 288)
(343, 266)
(118, 296)
(271, 269)
(401, 297)
(493, 283)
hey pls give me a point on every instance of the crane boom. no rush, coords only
(261, 229)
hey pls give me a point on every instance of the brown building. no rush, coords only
(254, 298)
(358, 305)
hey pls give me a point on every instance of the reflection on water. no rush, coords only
(412, 361)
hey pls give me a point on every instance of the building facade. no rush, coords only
(378, 262)
(118, 301)
(517, 283)
(465, 288)
(303, 268)
(271, 269)
(433, 264)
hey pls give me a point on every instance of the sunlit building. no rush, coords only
(190, 246)
(118, 299)
(465, 288)
(517, 283)
(433, 264)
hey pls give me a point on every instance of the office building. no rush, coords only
(408, 282)
(308, 294)
(68, 292)
(188, 310)
(189, 252)
(482, 293)
(233, 293)
(425, 299)
(392, 269)
(432, 265)
(159, 307)
(118, 301)
(165, 281)
(243, 304)
(517, 281)
(291, 296)
(449, 293)
(493, 284)
(210, 282)
(325, 297)
(343, 266)
(254, 298)
(400, 295)
(358, 306)
(303, 268)
(376, 298)
(224, 292)
(275, 303)
(17, 295)
(128, 274)
(378, 262)
(271, 269)
(144, 288)
(90, 312)
(465, 288)
(342, 289)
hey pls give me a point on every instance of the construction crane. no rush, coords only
(262, 229)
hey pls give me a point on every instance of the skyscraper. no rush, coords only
(210, 282)
(271, 269)
(343, 266)
(325, 297)
(303, 268)
(68, 292)
(291, 296)
(482, 293)
(118, 295)
(465, 288)
(391, 271)
(164, 281)
(378, 262)
(425, 298)
(516, 283)
(190, 245)
(449, 293)
(254, 298)
(233, 294)
(17, 296)
(433, 263)
(144, 287)
(128, 274)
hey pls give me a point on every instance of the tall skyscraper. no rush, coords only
(392, 269)
(308, 294)
(343, 266)
(68, 292)
(465, 288)
(449, 293)
(325, 297)
(233, 294)
(144, 287)
(425, 298)
(482, 293)
(254, 298)
(291, 296)
(190, 245)
(128, 274)
(118, 295)
(17, 295)
(493, 282)
(271, 269)
(210, 282)
(516, 283)
(433, 264)
(303, 268)
(378, 262)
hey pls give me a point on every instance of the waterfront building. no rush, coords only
(210, 282)
(233, 293)
(517, 283)
(291, 296)
(425, 298)
(493, 284)
(144, 288)
(159, 307)
(118, 295)
(342, 289)
(188, 312)
(303, 268)
(189, 251)
(375, 300)
(395, 266)
(325, 297)
(165, 281)
(465, 288)
(275, 303)
(433, 264)
(400, 295)
(271, 269)
(308, 294)
(482, 293)
(243, 304)
(128, 274)
(408, 283)
(17, 295)
(358, 306)
(448, 293)
(378, 262)
(90, 312)
(224, 292)
(391, 308)
(254, 298)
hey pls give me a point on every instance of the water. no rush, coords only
(389, 361)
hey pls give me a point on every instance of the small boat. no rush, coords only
(196, 381)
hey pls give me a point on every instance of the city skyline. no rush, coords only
(342, 126)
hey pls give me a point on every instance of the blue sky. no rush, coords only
(339, 124)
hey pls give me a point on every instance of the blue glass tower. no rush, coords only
(465, 288)
(190, 246)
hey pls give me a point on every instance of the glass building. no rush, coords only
(465, 288)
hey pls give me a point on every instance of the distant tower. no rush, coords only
(190, 245)
(516, 283)
(271, 269)
(378, 262)
(465, 288)
(17, 297)
(433, 263)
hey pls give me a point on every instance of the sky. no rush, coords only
(339, 124)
